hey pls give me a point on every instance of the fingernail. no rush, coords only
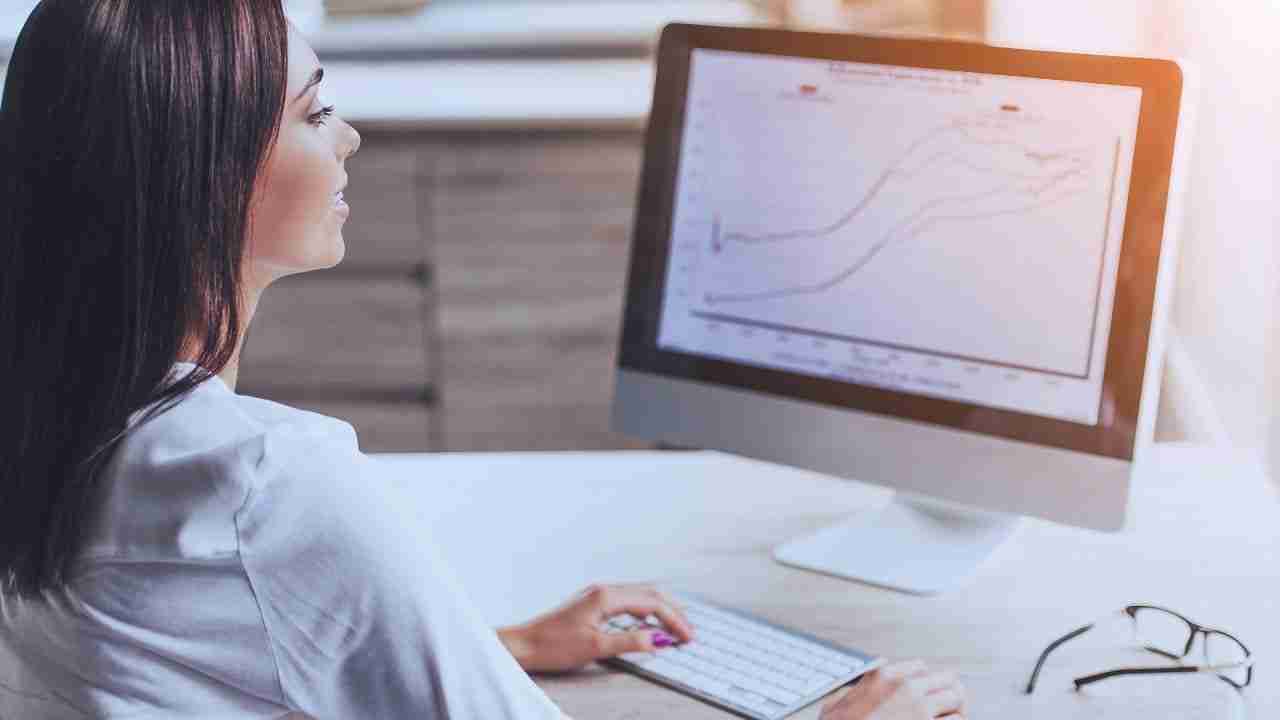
(661, 639)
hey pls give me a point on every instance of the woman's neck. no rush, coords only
(231, 372)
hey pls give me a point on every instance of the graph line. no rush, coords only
(926, 223)
(898, 171)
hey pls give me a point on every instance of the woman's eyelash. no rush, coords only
(318, 118)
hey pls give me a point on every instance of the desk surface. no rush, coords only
(526, 531)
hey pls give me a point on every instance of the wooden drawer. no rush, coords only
(506, 197)
(328, 333)
(519, 312)
(530, 368)
(567, 233)
(513, 156)
(512, 175)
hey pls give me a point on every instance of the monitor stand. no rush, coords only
(913, 544)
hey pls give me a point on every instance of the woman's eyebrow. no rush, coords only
(316, 77)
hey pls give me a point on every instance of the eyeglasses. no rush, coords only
(1169, 635)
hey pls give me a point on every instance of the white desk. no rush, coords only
(526, 531)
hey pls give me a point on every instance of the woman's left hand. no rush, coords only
(570, 637)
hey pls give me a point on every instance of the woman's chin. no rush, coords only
(316, 255)
(337, 252)
(330, 254)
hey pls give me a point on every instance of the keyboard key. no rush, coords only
(794, 669)
(664, 666)
(684, 671)
(795, 685)
(638, 658)
(709, 685)
(776, 709)
(744, 697)
(836, 668)
(817, 683)
(781, 695)
(781, 681)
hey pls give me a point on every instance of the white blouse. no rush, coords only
(248, 562)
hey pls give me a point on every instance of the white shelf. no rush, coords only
(448, 88)
(490, 94)
(445, 27)
(471, 73)
(453, 26)
(493, 94)
(464, 68)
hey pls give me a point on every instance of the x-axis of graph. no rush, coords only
(820, 334)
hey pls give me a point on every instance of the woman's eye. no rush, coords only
(318, 118)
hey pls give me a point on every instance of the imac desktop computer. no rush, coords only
(941, 267)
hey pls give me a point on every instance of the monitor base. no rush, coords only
(913, 544)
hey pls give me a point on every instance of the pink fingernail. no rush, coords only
(661, 639)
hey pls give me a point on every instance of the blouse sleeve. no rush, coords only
(364, 617)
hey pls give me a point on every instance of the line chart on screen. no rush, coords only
(995, 221)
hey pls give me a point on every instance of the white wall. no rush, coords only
(1226, 297)
(1226, 293)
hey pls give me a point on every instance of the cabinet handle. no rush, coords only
(429, 395)
(422, 273)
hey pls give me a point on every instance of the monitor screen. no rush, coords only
(942, 233)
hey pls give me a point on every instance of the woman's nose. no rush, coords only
(352, 144)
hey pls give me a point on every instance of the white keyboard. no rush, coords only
(742, 663)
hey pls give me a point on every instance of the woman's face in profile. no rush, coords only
(298, 214)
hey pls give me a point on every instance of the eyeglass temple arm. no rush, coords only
(1031, 684)
(1087, 679)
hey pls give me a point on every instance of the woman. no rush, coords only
(169, 548)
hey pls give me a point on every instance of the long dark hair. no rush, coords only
(131, 134)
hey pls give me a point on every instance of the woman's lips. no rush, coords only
(340, 205)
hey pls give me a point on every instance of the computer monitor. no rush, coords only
(938, 266)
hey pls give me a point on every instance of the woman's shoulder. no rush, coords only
(213, 414)
(269, 413)
(178, 479)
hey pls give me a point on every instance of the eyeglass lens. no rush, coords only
(1171, 635)
(1224, 650)
(1162, 631)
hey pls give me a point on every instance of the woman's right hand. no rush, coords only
(903, 691)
